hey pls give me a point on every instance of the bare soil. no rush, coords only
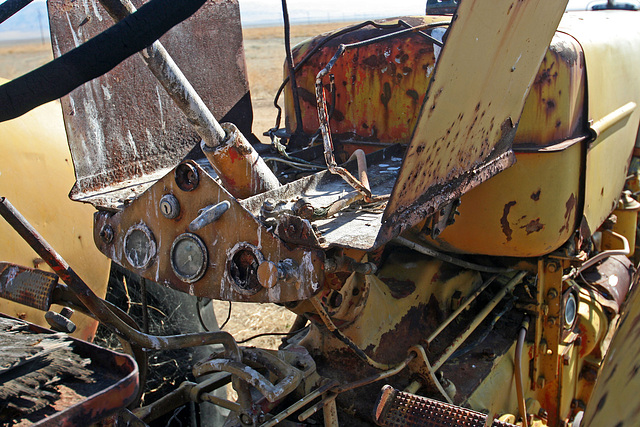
(265, 53)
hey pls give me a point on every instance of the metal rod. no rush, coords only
(173, 80)
(625, 251)
(11, 7)
(376, 377)
(299, 404)
(326, 319)
(224, 403)
(97, 306)
(479, 318)
(448, 258)
(315, 408)
(609, 121)
(460, 309)
(522, 407)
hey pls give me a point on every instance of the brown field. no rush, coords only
(264, 49)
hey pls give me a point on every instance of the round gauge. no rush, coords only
(139, 246)
(570, 311)
(189, 257)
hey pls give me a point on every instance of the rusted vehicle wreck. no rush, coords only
(449, 208)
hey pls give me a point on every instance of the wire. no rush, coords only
(267, 334)
(228, 317)
(296, 165)
(200, 316)
(292, 73)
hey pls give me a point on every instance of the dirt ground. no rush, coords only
(264, 49)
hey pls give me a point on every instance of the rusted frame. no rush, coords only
(323, 115)
(98, 307)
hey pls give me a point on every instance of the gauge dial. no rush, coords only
(189, 257)
(139, 246)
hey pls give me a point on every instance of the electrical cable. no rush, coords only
(228, 317)
(267, 334)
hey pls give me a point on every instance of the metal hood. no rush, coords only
(473, 104)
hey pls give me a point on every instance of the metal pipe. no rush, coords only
(608, 121)
(326, 319)
(224, 403)
(315, 408)
(249, 375)
(460, 309)
(479, 318)
(448, 258)
(376, 377)
(97, 306)
(361, 158)
(173, 80)
(300, 403)
(522, 407)
(605, 254)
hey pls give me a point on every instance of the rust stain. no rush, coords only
(533, 226)
(536, 196)
(506, 228)
(570, 206)
(399, 288)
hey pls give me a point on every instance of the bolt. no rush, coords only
(107, 234)
(552, 294)
(246, 419)
(269, 205)
(552, 267)
(541, 382)
(551, 320)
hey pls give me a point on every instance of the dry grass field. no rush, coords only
(264, 50)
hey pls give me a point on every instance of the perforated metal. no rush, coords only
(397, 408)
(27, 286)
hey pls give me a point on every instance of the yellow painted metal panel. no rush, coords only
(36, 175)
(474, 101)
(611, 44)
(527, 210)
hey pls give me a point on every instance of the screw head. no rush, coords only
(107, 234)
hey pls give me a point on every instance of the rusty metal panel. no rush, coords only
(379, 88)
(467, 123)
(123, 128)
(230, 244)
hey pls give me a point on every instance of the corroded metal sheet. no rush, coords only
(379, 87)
(123, 128)
(467, 123)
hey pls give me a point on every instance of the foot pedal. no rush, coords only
(397, 408)
(27, 286)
